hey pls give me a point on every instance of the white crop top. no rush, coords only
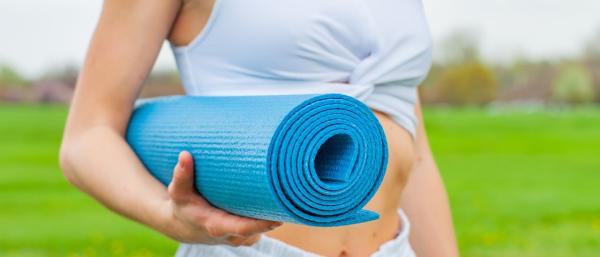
(377, 51)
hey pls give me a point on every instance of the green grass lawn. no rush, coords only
(521, 184)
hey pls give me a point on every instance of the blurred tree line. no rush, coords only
(57, 85)
(459, 76)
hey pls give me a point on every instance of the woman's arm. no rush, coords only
(426, 203)
(96, 158)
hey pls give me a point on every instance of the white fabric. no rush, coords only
(266, 246)
(377, 51)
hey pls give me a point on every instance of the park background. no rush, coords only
(511, 106)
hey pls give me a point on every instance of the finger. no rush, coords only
(251, 240)
(182, 184)
(226, 224)
(249, 226)
(235, 240)
(242, 241)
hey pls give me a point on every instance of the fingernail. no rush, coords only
(179, 160)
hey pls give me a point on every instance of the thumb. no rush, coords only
(182, 184)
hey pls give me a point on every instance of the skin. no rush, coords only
(123, 49)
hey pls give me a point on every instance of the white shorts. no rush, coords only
(267, 246)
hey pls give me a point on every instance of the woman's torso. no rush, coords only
(190, 32)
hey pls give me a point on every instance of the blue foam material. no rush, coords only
(307, 159)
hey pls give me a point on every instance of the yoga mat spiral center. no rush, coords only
(308, 159)
(333, 159)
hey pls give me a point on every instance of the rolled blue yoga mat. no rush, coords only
(307, 159)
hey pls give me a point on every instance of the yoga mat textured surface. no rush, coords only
(308, 159)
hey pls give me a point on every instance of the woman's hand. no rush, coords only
(194, 220)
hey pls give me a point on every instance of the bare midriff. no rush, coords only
(355, 240)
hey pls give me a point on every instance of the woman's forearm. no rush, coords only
(99, 162)
(426, 203)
